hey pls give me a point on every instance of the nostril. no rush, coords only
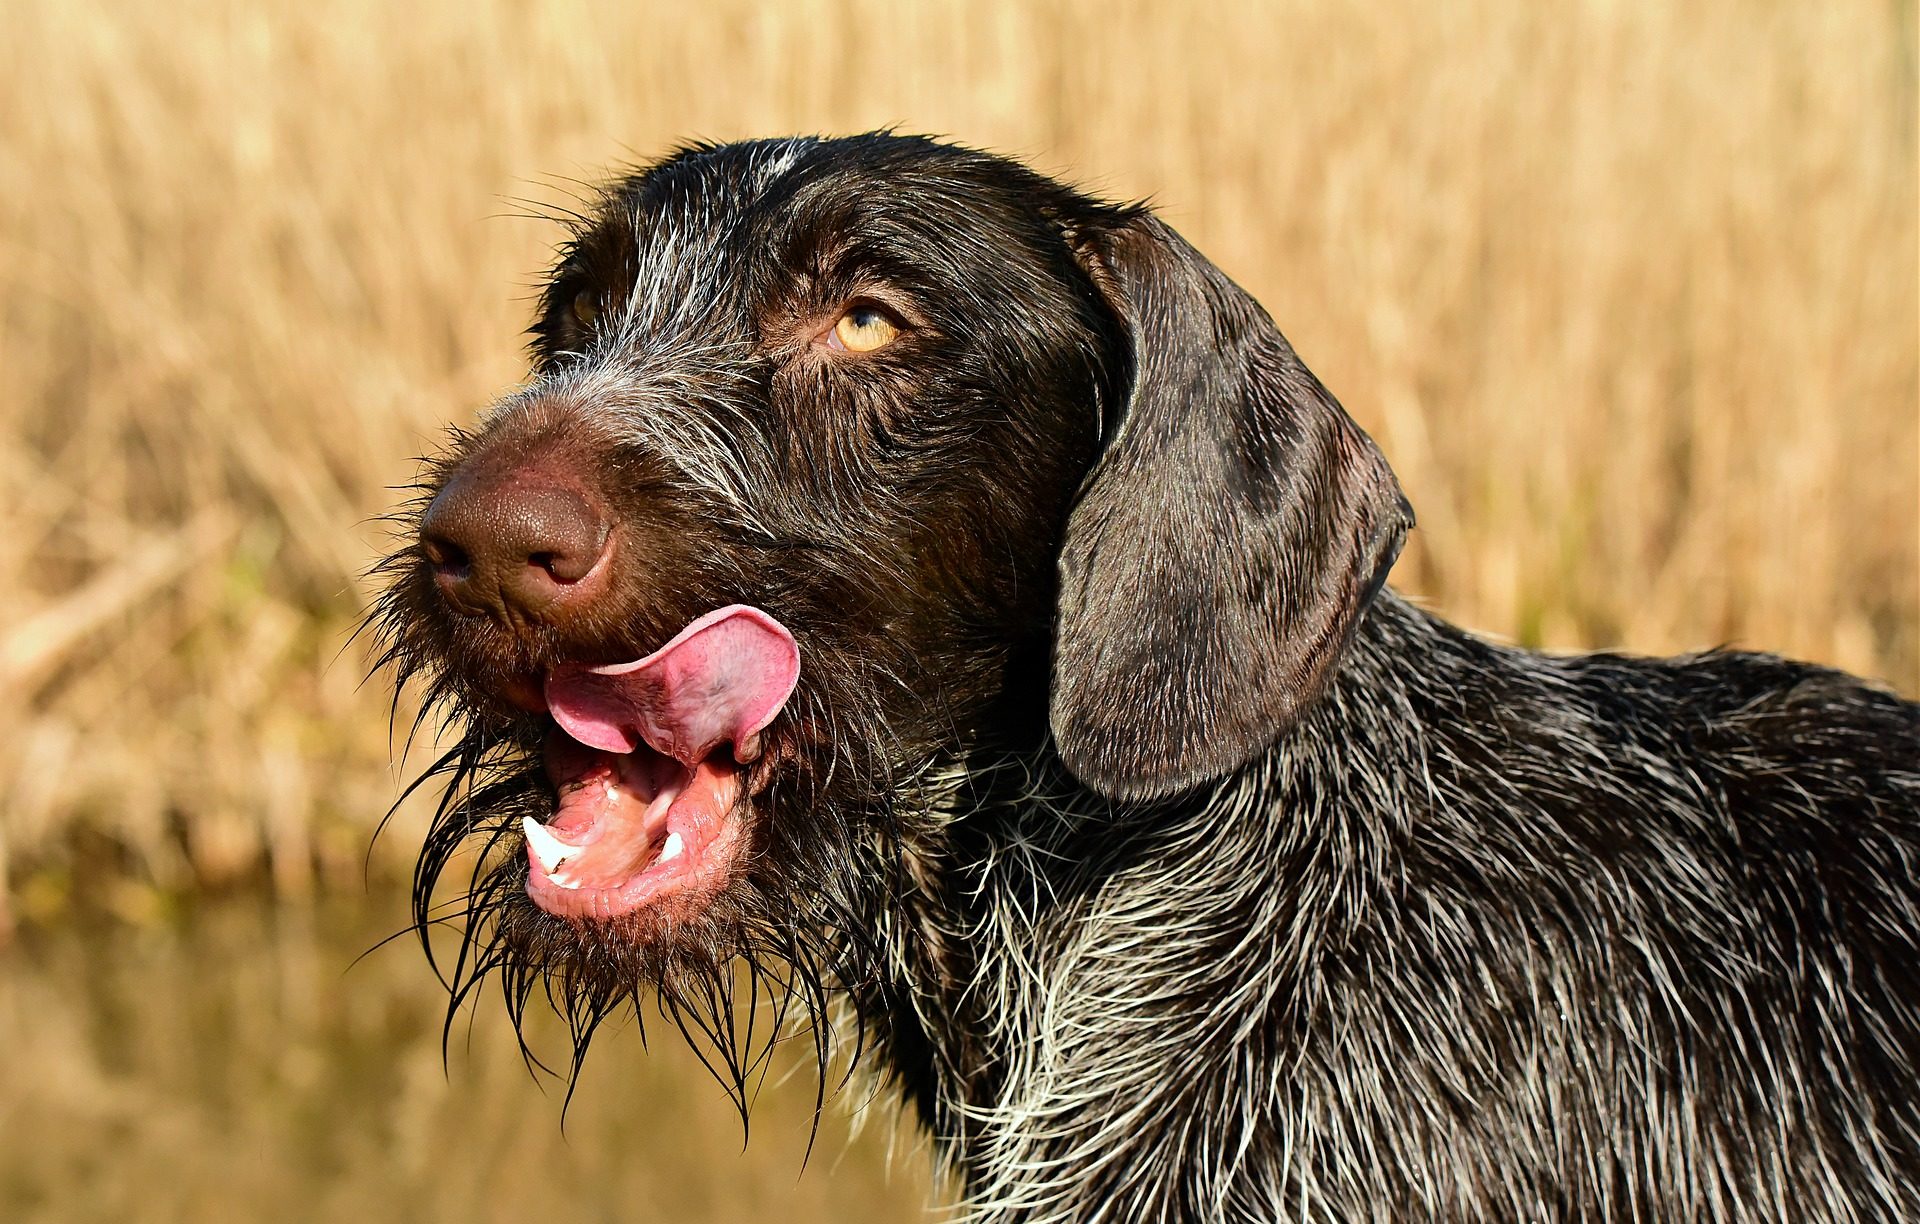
(446, 557)
(551, 574)
(568, 566)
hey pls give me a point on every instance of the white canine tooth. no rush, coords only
(550, 850)
(661, 802)
(672, 847)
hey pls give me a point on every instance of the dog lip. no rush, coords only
(525, 692)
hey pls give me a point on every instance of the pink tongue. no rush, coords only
(721, 679)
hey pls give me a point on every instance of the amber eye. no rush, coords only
(863, 329)
(586, 307)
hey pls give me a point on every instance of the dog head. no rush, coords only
(842, 461)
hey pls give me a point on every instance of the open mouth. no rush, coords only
(645, 760)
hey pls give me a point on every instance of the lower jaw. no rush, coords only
(707, 822)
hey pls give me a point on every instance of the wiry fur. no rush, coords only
(1492, 936)
(1481, 935)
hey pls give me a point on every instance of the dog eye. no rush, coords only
(862, 330)
(586, 307)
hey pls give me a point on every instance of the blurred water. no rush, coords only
(237, 1065)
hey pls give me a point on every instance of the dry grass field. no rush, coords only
(1626, 290)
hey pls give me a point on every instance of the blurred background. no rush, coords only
(1626, 290)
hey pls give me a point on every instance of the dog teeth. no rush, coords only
(672, 847)
(548, 849)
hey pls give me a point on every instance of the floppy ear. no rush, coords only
(1226, 543)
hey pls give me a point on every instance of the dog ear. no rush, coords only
(1234, 528)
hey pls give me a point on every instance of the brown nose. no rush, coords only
(512, 543)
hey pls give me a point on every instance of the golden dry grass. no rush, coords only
(1626, 291)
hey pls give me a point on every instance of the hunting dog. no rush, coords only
(912, 590)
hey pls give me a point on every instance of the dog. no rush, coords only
(915, 597)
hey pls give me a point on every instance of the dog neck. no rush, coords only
(1213, 911)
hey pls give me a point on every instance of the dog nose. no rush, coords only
(512, 543)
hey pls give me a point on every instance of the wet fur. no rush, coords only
(1410, 926)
